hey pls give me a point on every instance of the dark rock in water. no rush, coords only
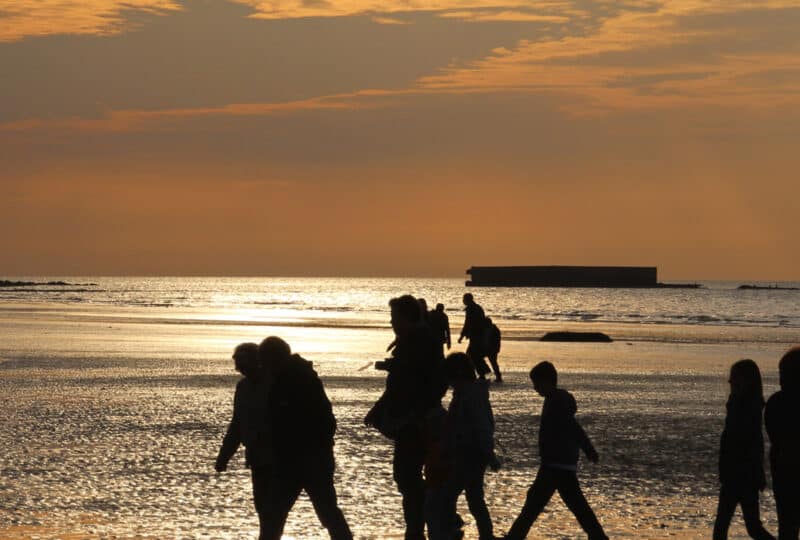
(7, 283)
(765, 287)
(595, 337)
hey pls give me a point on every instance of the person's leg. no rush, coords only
(726, 506)
(473, 488)
(440, 510)
(409, 457)
(538, 495)
(476, 354)
(318, 483)
(571, 494)
(495, 367)
(752, 515)
(787, 501)
(274, 494)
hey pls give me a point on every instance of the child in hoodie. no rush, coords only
(560, 439)
(467, 448)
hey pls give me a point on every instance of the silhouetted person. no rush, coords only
(414, 388)
(303, 426)
(469, 444)
(782, 419)
(440, 325)
(423, 310)
(741, 453)
(250, 425)
(493, 339)
(560, 439)
(424, 317)
(473, 329)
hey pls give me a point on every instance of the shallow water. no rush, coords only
(112, 418)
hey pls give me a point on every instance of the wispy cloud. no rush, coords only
(25, 18)
(138, 120)
(294, 9)
(685, 53)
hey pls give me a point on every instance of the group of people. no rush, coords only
(284, 420)
(741, 453)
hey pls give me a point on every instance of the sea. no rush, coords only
(115, 393)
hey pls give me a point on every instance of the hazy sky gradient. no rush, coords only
(399, 138)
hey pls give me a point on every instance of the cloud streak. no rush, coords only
(651, 60)
(36, 18)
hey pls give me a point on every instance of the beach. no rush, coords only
(114, 414)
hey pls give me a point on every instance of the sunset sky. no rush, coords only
(414, 137)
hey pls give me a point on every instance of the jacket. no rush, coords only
(560, 434)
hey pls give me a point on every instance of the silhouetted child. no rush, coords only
(493, 339)
(782, 419)
(741, 453)
(250, 424)
(560, 439)
(469, 441)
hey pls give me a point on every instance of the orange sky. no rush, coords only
(251, 137)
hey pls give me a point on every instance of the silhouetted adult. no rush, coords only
(782, 419)
(473, 329)
(250, 424)
(303, 426)
(415, 386)
(440, 325)
(741, 453)
(493, 339)
(560, 439)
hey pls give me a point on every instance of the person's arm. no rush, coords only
(446, 328)
(585, 443)
(231, 441)
(317, 405)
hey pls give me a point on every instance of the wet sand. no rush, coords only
(110, 431)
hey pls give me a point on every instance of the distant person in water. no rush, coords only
(468, 445)
(440, 325)
(560, 439)
(474, 329)
(303, 426)
(782, 419)
(741, 453)
(493, 338)
(250, 424)
(415, 385)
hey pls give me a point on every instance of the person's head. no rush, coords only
(544, 378)
(459, 367)
(745, 379)
(467, 299)
(423, 306)
(273, 353)
(245, 359)
(405, 313)
(440, 307)
(789, 368)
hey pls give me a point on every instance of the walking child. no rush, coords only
(468, 448)
(741, 453)
(560, 439)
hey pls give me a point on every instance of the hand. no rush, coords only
(220, 466)
(460, 338)
(592, 455)
(495, 463)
